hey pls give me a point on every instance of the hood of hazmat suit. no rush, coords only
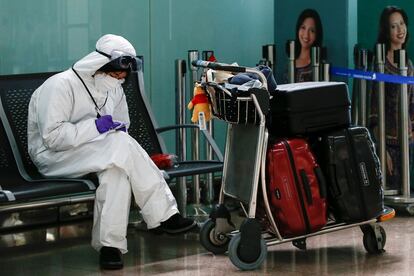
(88, 65)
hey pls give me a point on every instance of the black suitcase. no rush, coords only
(308, 107)
(353, 174)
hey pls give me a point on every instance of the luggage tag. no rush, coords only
(202, 121)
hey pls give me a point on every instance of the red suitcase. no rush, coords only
(296, 188)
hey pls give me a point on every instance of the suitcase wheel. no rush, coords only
(374, 238)
(212, 240)
(410, 209)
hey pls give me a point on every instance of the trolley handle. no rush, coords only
(218, 66)
(230, 68)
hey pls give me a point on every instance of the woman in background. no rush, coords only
(393, 32)
(309, 33)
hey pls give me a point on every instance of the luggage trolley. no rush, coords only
(243, 172)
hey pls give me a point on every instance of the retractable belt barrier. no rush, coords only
(401, 196)
(373, 76)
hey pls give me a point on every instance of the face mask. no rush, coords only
(104, 82)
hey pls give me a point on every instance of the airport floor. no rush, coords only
(66, 250)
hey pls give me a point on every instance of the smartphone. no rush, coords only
(120, 126)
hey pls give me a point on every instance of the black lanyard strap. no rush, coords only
(90, 95)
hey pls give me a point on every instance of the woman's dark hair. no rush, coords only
(309, 13)
(384, 26)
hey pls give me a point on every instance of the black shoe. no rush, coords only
(177, 224)
(110, 258)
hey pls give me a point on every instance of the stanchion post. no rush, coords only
(363, 56)
(325, 65)
(269, 54)
(355, 95)
(315, 61)
(180, 72)
(209, 150)
(380, 60)
(400, 57)
(210, 177)
(195, 141)
(180, 114)
(325, 71)
(290, 49)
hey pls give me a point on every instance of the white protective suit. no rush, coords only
(64, 142)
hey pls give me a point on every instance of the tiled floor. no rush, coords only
(65, 250)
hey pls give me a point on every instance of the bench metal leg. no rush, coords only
(182, 196)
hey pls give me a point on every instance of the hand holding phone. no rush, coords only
(122, 125)
(118, 126)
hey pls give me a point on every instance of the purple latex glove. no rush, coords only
(105, 123)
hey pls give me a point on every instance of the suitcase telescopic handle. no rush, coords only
(306, 186)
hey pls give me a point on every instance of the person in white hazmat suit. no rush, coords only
(77, 124)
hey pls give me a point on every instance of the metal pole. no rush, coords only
(195, 141)
(290, 48)
(195, 144)
(315, 61)
(209, 150)
(210, 177)
(325, 71)
(363, 88)
(355, 95)
(180, 69)
(380, 58)
(405, 172)
(207, 54)
(193, 55)
(269, 54)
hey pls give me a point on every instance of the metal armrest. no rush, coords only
(165, 175)
(8, 194)
(207, 135)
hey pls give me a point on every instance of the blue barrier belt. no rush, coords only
(373, 76)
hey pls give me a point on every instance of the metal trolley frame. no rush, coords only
(243, 172)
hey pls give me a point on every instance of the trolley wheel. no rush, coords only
(410, 209)
(374, 241)
(234, 254)
(216, 243)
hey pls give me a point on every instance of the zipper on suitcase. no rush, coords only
(298, 188)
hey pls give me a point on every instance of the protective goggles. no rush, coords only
(120, 60)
